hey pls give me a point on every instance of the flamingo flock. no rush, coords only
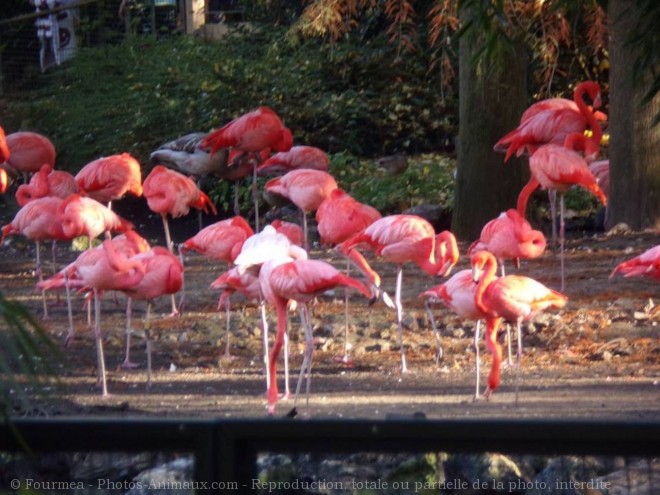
(273, 264)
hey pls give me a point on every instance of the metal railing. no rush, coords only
(226, 450)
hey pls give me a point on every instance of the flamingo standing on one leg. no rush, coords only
(513, 298)
(299, 281)
(38, 221)
(163, 275)
(296, 158)
(560, 167)
(111, 177)
(305, 188)
(339, 217)
(28, 152)
(221, 241)
(458, 293)
(400, 239)
(646, 264)
(170, 193)
(252, 133)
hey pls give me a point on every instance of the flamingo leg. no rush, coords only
(170, 246)
(237, 200)
(129, 333)
(255, 196)
(40, 277)
(346, 358)
(399, 316)
(264, 335)
(287, 350)
(518, 358)
(562, 237)
(508, 345)
(552, 197)
(99, 343)
(436, 332)
(477, 357)
(306, 368)
(228, 331)
(71, 332)
(147, 336)
(305, 235)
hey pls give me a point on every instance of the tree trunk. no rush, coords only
(492, 97)
(634, 144)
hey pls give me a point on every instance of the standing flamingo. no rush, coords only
(299, 281)
(400, 239)
(221, 241)
(99, 269)
(305, 188)
(339, 217)
(510, 237)
(187, 155)
(553, 123)
(4, 148)
(560, 167)
(163, 275)
(253, 133)
(47, 182)
(297, 157)
(28, 152)
(291, 230)
(457, 294)
(111, 177)
(513, 298)
(646, 264)
(39, 221)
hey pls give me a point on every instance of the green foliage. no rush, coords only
(25, 350)
(429, 179)
(144, 91)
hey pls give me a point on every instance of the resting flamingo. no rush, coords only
(559, 168)
(339, 217)
(305, 188)
(28, 152)
(187, 155)
(253, 133)
(646, 264)
(513, 298)
(162, 275)
(297, 157)
(457, 294)
(221, 241)
(38, 221)
(401, 239)
(99, 269)
(111, 177)
(47, 182)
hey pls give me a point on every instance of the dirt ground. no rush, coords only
(597, 358)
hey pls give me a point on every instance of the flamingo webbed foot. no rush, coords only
(129, 365)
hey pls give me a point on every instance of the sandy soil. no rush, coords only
(597, 358)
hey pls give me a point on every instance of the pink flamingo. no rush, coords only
(47, 182)
(39, 221)
(99, 269)
(291, 230)
(111, 177)
(339, 217)
(457, 294)
(299, 281)
(305, 188)
(4, 181)
(221, 241)
(254, 133)
(295, 158)
(646, 264)
(400, 239)
(171, 193)
(4, 148)
(559, 168)
(513, 298)
(510, 237)
(28, 152)
(163, 275)
(553, 123)
(85, 216)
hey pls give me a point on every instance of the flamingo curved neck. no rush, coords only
(589, 115)
(487, 276)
